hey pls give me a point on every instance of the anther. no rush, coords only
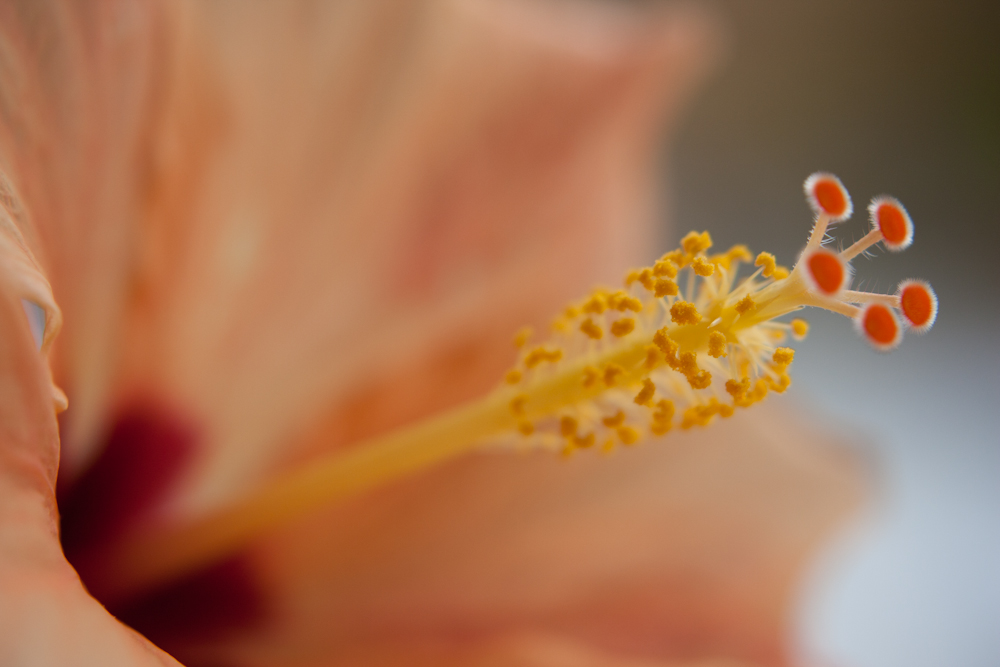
(695, 243)
(702, 267)
(717, 344)
(683, 312)
(567, 426)
(746, 305)
(614, 421)
(522, 336)
(645, 395)
(879, 325)
(628, 435)
(611, 374)
(919, 304)
(592, 330)
(665, 287)
(766, 260)
(623, 327)
(513, 376)
(799, 329)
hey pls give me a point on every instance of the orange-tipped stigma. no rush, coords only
(828, 196)
(919, 304)
(826, 271)
(889, 217)
(879, 324)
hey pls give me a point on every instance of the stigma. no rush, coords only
(701, 334)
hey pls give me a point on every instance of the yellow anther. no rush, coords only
(522, 336)
(667, 345)
(632, 276)
(799, 329)
(571, 312)
(663, 417)
(717, 344)
(590, 376)
(738, 389)
(615, 421)
(783, 382)
(665, 268)
(526, 428)
(683, 312)
(665, 287)
(592, 330)
(623, 327)
(781, 272)
(517, 404)
(611, 374)
(585, 441)
(647, 279)
(596, 304)
(653, 357)
(540, 354)
(645, 395)
(746, 305)
(628, 435)
(695, 243)
(567, 426)
(677, 257)
(766, 260)
(702, 266)
(513, 376)
(739, 253)
(700, 380)
(608, 446)
(783, 356)
(621, 301)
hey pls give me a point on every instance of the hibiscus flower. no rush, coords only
(276, 230)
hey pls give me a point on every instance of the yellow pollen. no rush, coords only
(611, 374)
(628, 435)
(647, 279)
(717, 344)
(525, 428)
(522, 336)
(665, 287)
(632, 276)
(623, 327)
(667, 345)
(663, 417)
(590, 376)
(567, 426)
(585, 441)
(540, 354)
(596, 304)
(739, 253)
(738, 389)
(783, 356)
(781, 272)
(653, 358)
(592, 330)
(621, 301)
(702, 267)
(665, 268)
(746, 305)
(513, 376)
(766, 260)
(799, 328)
(683, 312)
(695, 243)
(517, 404)
(615, 421)
(645, 395)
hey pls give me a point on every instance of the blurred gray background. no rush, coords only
(903, 98)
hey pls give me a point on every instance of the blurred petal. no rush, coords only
(46, 615)
(343, 188)
(689, 546)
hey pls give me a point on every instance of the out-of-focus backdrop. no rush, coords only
(899, 97)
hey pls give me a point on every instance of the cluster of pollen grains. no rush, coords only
(686, 340)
